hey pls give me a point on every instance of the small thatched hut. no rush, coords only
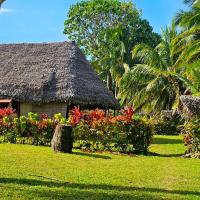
(46, 77)
(191, 105)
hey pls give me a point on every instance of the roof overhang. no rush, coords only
(5, 100)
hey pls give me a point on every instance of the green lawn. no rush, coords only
(31, 172)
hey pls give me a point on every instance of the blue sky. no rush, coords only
(42, 20)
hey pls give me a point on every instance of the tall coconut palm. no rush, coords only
(156, 83)
(188, 19)
(192, 78)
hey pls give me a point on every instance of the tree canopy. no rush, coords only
(142, 68)
(106, 30)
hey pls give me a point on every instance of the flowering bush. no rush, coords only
(191, 133)
(124, 133)
(32, 129)
(5, 112)
(93, 130)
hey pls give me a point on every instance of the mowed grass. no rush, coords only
(33, 172)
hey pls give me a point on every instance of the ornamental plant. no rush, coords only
(76, 115)
(191, 133)
(4, 112)
(34, 129)
(124, 133)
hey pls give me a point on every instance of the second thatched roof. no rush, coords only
(51, 72)
(191, 104)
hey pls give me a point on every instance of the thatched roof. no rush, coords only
(191, 104)
(51, 72)
(169, 114)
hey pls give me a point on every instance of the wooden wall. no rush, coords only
(50, 108)
(25, 108)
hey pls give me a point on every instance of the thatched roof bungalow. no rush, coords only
(191, 105)
(46, 77)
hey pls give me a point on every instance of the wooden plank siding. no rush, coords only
(50, 108)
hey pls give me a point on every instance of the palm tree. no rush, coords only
(191, 18)
(156, 83)
(192, 78)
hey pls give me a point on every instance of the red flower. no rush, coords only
(128, 113)
(76, 116)
(42, 124)
(96, 115)
(44, 116)
(126, 116)
(6, 112)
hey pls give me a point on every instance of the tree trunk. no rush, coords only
(62, 140)
(109, 81)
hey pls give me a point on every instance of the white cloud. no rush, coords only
(5, 10)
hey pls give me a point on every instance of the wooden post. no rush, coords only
(62, 140)
(114, 112)
(68, 110)
(106, 112)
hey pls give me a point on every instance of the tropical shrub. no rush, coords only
(191, 133)
(32, 129)
(93, 130)
(124, 133)
(164, 125)
(5, 112)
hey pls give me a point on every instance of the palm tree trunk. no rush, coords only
(109, 81)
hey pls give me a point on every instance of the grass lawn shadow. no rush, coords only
(165, 155)
(93, 187)
(162, 140)
(92, 155)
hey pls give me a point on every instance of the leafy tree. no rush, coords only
(106, 30)
(158, 81)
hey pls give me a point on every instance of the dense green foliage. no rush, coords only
(191, 18)
(160, 69)
(190, 21)
(168, 125)
(159, 80)
(106, 30)
(29, 172)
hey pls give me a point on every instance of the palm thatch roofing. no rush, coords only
(169, 114)
(191, 104)
(51, 72)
